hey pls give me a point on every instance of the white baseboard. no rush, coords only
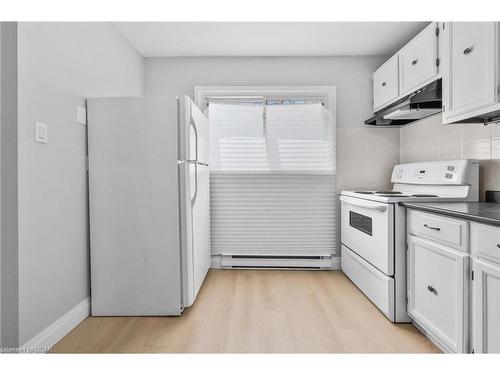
(219, 262)
(43, 341)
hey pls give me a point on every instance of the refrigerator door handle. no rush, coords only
(193, 200)
(190, 161)
(195, 162)
(195, 138)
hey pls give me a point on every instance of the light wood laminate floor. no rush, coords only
(257, 311)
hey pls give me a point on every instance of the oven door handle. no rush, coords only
(373, 208)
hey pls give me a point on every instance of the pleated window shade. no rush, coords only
(272, 179)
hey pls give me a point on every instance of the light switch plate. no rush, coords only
(41, 132)
(81, 115)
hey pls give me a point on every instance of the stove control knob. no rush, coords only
(451, 168)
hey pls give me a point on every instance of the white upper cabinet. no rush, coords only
(470, 70)
(386, 83)
(414, 66)
(418, 60)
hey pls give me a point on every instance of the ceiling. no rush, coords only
(178, 39)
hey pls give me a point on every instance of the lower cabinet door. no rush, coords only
(486, 307)
(438, 292)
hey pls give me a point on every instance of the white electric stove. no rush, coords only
(373, 226)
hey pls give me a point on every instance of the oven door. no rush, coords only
(367, 228)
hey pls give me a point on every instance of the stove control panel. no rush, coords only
(419, 173)
(452, 172)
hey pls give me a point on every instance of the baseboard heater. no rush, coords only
(275, 262)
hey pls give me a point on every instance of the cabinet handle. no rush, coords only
(498, 245)
(433, 228)
(383, 84)
(432, 290)
(414, 62)
(467, 50)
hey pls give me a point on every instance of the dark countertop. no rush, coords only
(488, 213)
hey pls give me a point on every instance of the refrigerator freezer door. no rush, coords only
(195, 201)
(134, 206)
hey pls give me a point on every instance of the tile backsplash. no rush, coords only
(365, 157)
(429, 139)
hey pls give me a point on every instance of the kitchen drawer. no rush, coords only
(445, 230)
(485, 241)
(379, 288)
(386, 83)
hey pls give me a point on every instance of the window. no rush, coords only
(273, 135)
(237, 136)
(272, 174)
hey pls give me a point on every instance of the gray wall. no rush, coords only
(351, 75)
(8, 186)
(60, 64)
(365, 157)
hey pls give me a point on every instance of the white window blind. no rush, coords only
(272, 180)
(299, 137)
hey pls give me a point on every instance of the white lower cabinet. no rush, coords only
(439, 281)
(438, 292)
(486, 307)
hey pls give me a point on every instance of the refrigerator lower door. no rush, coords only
(195, 238)
(134, 206)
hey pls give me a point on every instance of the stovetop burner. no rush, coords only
(388, 192)
(364, 192)
(424, 195)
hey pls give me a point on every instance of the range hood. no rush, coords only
(421, 104)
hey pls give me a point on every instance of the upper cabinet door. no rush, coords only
(470, 82)
(385, 83)
(418, 61)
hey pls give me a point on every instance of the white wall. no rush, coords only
(60, 64)
(365, 156)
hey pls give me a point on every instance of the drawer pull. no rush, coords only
(433, 228)
(467, 50)
(432, 290)
(414, 62)
(383, 84)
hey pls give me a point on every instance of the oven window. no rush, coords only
(360, 222)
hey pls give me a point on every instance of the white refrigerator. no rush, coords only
(149, 204)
